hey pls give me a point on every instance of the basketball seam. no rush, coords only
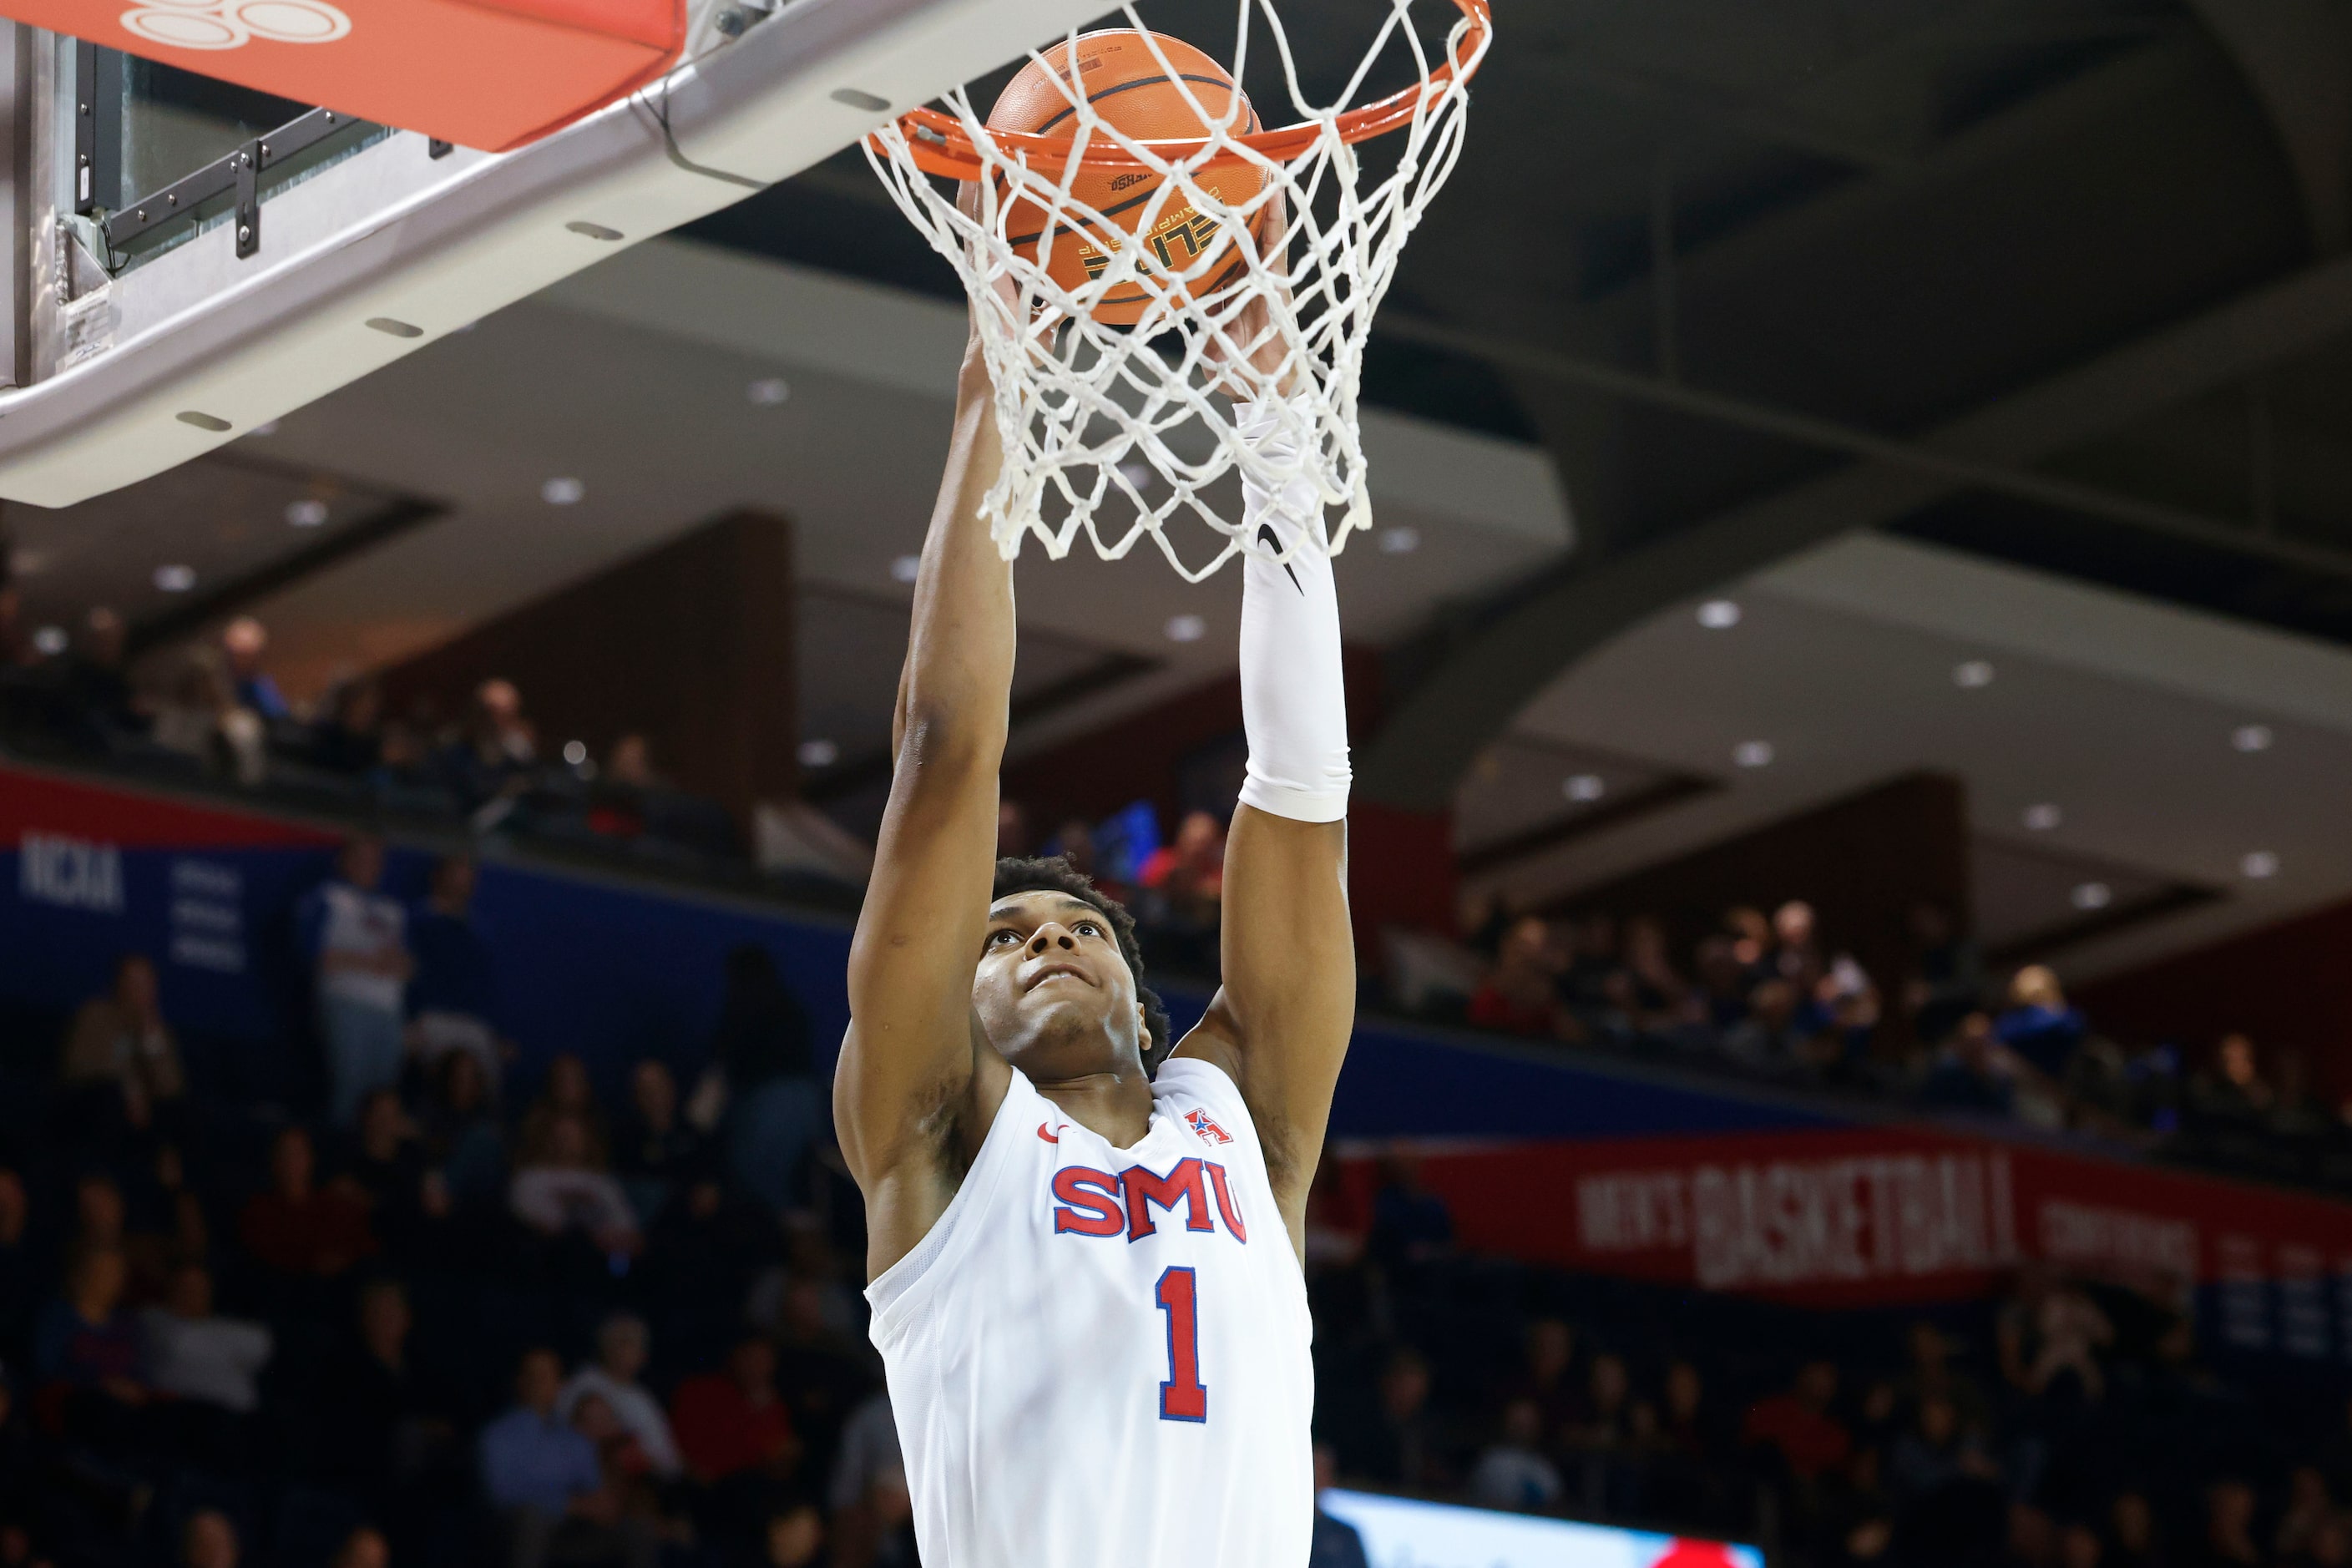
(1226, 82)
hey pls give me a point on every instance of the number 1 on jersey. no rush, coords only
(1181, 1398)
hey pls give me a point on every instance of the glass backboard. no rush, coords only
(195, 258)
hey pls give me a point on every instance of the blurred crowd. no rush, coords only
(461, 1313)
(208, 708)
(2071, 1425)
(1768, 996)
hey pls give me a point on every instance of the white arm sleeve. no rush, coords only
(1294, 699)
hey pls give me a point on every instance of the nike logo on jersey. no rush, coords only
(1097, 1203)
(1049, 1137)
(1201, 1122)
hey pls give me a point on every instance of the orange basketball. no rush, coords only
(1126, 85)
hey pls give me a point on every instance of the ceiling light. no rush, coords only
(2259, 864)
(1972, 675)
(1752, 753)
(1186, 628)
(904, 568)
(2252, 737)
(2043, 818)
(175, 579)
(1400, 541)
(49, 641)
(1719, 614)
(818, 754)
(1584, 788)
(562, 491)
(2092, 895)
(575, 752)
(1137, 474)
(309, 512)
(769, 390)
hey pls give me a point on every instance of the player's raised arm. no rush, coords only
(905, 1098)
(1281, 1021)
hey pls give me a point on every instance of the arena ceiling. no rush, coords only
(2052, 288)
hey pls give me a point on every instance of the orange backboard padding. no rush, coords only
(493, 75)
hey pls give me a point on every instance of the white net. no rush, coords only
(1251, 271)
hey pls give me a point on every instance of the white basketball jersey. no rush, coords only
(1099, 1357)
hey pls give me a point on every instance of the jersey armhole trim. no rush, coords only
(898, 1290)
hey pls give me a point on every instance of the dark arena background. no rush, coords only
(1851, 693)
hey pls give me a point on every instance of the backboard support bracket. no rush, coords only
(247, 161)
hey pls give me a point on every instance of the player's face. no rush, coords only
(1053, 990)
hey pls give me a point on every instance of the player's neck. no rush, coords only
(1114, 1106)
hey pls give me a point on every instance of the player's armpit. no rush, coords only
(1289, 1003)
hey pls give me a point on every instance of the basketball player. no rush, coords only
(1085, 1247)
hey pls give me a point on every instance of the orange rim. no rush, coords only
(938, 144)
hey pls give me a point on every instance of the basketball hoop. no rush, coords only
(1121, 333)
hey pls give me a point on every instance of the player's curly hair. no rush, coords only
(1055, 874)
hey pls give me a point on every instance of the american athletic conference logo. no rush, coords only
(232, 24)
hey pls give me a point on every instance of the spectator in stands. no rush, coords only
(498, 750)
(1402, 1446)
(1410, 1224)
(2309, 1510)
(209, 1362)
(733, 1422)
(1936, 1455)
(86, 1353)
(1512, 1473)
(297, 1230)
(867, 1492)
(362, 1548)
(1795, 955)
(794, 1536)
(2234, 1089)
(2050, 1334)
(2131, 1533)
(453, 993)
(1518, 994)
(121, 1048)
(659, 1152)
(621, 1343)
(568, 1091)
(196, 715)
(461, 1137)
(565, 1190)
(386, 1173)
(1946, 979)
(2229, 1536)
(348, 739)
(1970, 1070)
(630, 764)
(96, 684)
(19, 1286)
(1657, 999)
(208, 1541)
(1798, 1426)
(1335, 1545)
(1188, 873)
(1545, 1377)
(547, 1482)
(763, 1046)
(380, 1422)
(356, 937)
(2039, 1027)
(1011, 828)
(243, 642)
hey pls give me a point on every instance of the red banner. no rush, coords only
(1887, 1215)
